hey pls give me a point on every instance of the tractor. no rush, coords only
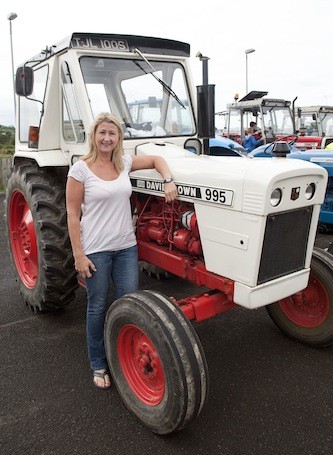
(278, 119)
(316, 123)
(243, 229)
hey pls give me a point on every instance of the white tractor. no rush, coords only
(242, 228)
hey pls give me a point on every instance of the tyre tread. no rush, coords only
(45, 194)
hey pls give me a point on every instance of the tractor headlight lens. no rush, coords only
(276, 197)
(310, 191)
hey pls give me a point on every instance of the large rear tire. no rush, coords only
(38, 238)
(156, 361)
(307, 316)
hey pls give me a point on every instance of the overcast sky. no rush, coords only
(293, 40)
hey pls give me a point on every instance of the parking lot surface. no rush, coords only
(268, 394)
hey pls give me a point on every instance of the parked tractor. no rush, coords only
(243, 229)
(278, 119)
(316, 124)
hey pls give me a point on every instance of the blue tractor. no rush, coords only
(223, 146)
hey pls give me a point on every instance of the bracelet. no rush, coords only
(168, 180)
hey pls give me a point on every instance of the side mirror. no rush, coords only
(193, 145)
(24, 81)
(206, 110)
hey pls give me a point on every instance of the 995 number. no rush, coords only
(219, 196)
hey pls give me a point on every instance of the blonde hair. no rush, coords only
(118, 151)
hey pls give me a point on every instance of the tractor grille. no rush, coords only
(285, 243)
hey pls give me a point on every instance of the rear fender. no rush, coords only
(48, 158)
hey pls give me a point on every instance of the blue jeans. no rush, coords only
(122, 267)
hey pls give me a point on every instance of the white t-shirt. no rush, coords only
(106, 222)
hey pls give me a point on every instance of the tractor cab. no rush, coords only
(272, 117)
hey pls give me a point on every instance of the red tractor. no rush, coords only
(315, 126)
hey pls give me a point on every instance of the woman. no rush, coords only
(100, 226)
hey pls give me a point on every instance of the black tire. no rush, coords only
(36, 225)
(308, 315)
(156, 361)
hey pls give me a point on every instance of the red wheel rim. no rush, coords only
(141, 365)
(22, 237)
(308, 308)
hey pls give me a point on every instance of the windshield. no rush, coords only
(308, 124)
(326, 122)
(320, 125)
(234, 121)
(127, 89)
(273, 120)
(278, 120)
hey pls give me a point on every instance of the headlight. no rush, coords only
(276, 197)
(310, 191)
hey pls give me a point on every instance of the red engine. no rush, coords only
(168, 237)
(174, 225)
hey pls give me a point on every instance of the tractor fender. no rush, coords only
(50, 158)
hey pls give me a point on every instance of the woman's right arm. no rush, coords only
(74, 198)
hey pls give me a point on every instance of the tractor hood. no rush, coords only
(238, 184)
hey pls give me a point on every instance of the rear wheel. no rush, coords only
(307, 316)
(38, 238)
(156, 360)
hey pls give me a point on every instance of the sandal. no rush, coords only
(101, 375)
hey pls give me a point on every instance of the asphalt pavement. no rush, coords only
(268, 394)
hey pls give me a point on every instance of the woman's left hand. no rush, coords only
(170, 191)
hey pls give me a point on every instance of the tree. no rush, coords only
(7, 139)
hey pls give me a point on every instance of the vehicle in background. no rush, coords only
(275, 118)
(266, 150)
(224, 146)
(316, 123)
(146, 115)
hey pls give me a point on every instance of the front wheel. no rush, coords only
(307, 316)
(156, 361)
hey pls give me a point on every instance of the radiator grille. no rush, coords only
(285, 243)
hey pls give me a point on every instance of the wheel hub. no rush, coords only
(23, 240)
(308, 308)
(141, 365)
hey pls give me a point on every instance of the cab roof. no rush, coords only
(115, 43)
